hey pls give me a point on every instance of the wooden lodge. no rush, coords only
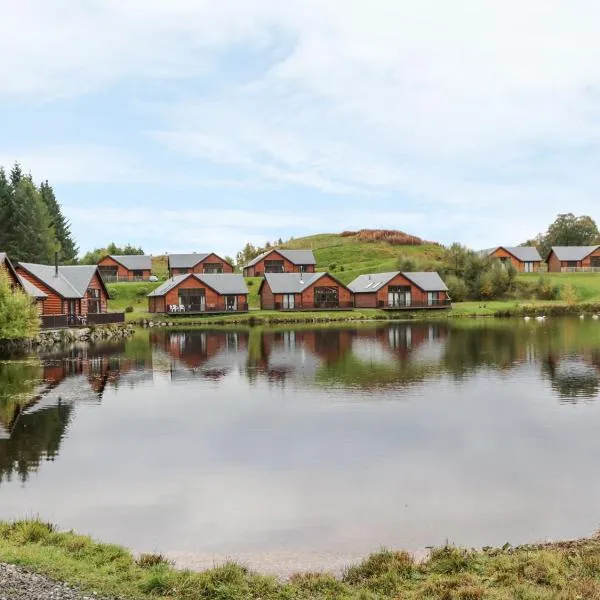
(525, 259)
(574, 259)
(125, 268)
(74, 295)
(21, 283)
(304, 291)
(197, 293)
(209, 263)
(400, 291)
(281, 261)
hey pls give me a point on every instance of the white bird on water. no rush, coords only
(540, 318)
(527, 318)
(595, 317)
(582, 316)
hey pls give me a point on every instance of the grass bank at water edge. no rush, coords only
(563, 571)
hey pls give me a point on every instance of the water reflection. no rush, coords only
(39, 396)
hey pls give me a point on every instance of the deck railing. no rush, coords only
(414, 304)
(117, 278)
(580, 269)
(197, 309)
(63, 321)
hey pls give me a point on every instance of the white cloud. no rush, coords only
(486, 109)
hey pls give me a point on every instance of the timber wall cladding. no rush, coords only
(53, 304)
(288, 266)
(502, 253)
(122, 271)
(212, 258)
(344, 294)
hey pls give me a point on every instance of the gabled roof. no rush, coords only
(134, 262)
(372, 282)
(296, 257)
(522, 253)
(573, 252)
(71, 282)
(31, 289)
(187, 261)
(28, 287)
(293, 283)
(222, 283)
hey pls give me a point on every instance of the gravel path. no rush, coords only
(18, 584)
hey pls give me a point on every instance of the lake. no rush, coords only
(309, 447)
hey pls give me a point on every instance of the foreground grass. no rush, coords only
(567, 571)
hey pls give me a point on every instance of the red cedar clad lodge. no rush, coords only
(206, 262)
(195, 293)
(526, 259)
(73, 295)
(281, 261)
(573, 259)
(400, 290)
(125, 268)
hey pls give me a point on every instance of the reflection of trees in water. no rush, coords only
(35, 437)
(19, 381)
(573, 377)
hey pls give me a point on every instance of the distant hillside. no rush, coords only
(367, 251)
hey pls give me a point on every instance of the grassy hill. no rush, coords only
(348, 256)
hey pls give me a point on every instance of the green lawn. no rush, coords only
(586, 284)
(565, 571)
(352, 258)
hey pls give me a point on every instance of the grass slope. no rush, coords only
(566, 571)
(354, 257)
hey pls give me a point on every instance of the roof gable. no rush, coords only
(133, 262)
(573, 253)
(221, 283)
(70, 282)
(428, 281)
(296, 257)
(189, 261)
(521, 253)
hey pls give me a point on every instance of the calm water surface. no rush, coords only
(333, 441)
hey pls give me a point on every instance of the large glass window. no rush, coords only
(94, 301)
(289, 301)
(273, 266)
(326, 297)
(193, 300)
(399, 295)
(595, 261)
(213, 268)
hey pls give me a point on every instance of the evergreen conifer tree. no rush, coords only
(68, 249)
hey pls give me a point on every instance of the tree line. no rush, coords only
(32, 224)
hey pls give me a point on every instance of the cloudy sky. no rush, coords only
(199, 125)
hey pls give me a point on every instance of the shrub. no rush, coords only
(406, 263)
(129, 309)
(332, 266)
(569, 294)
(546, 290)
(457, 288)
(18, 314)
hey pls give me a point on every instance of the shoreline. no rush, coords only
(565, 569)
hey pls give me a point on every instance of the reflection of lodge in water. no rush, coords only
(32, 429)
(208, 354)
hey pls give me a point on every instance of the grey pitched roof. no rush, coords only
(186, 261)
(296, 257)
(291, 283)
(573, 252)
(371, 282)
(522, 253)
(222, 283)
(72, 281)
(428, 281)
(134, 262)
(31, 289)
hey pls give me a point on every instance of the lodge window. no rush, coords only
(572, 264)
(213, 268)
(138, 273)
(399, 295)
(595, 261)
(94, 303)
(193, 300)
(326, 297)
(108, 273)
(274, 266)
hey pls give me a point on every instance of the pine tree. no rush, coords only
(11, 217)
(16, 175)
(34, 230)
(68, 249)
